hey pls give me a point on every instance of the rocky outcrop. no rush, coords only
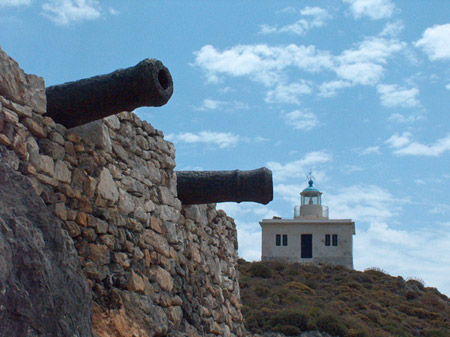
(43, 290)
(154, 267)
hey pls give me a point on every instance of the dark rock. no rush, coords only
(52, 149)
(43, 290)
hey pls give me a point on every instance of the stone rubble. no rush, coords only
(155, 268)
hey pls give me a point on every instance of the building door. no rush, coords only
(306, 248)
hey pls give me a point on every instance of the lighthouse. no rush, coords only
(310, 236)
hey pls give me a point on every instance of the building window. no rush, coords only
(327, 239)
(284, 239)
(335, 240)
(278, 240)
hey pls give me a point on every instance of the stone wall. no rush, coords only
(155, 267)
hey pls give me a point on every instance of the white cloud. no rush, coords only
(396, 117)
(311, 17)
(287, 10)
(404, 146)
(241, 210)
(210, 104)
(368, 203)
(250, 243)
(435, 42)
(447, 86)
(393, 29)
(301, 120)
(249, 230)
(261, 63)
(288, 93)
(374, 9)
(221, 139)
(299, 168)
(372, 50)
(392, 95)
(328, 89)
(288, 192)
(63, 12)
(440, 209)
(401, 252)
(113, 11)
(15, 2)
(349, 169)
(378, 244)
(371, 150)
(267, 29)
(361, 73)
(362, 64)
(398, 141)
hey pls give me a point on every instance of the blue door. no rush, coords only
(306, 248)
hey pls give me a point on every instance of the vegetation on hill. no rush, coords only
(291, 298)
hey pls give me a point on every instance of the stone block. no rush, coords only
(10, 116)
(162, 277)
(136, 283)
(52, 149)
(46, 165)
(122, 259)
(35, 128)
(20, 87)
(4, 140)
(57, 138)
(154, 241)
(82, 219)
(95, 133)
(99, 254)
(72, 228)
(126, 203)
(112, 122)
(60, 211)
(21, 110)
(106, 187)
(121, 153)
(62, 172)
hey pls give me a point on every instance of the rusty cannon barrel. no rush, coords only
(71, 104)
(203, 187)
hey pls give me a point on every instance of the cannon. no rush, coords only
(203, 187)
(71, 104)
(149, 83)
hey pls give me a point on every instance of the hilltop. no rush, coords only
(290, 298)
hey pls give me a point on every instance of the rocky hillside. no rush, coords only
(292, 298)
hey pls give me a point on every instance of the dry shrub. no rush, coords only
(331, 324)
(298, 286)
(260, 269)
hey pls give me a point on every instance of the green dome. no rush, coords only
(311, 188)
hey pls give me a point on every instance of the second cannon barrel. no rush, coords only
(203, 187)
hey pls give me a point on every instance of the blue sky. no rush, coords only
(358, 91)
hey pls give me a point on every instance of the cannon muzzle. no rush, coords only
(203, 187)
(71, 104)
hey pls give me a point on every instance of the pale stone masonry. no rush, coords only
(310, 237)
(155, 267)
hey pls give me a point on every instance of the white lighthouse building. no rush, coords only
(310, 237)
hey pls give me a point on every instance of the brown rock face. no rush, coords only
(22, 88)
(43, 291)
